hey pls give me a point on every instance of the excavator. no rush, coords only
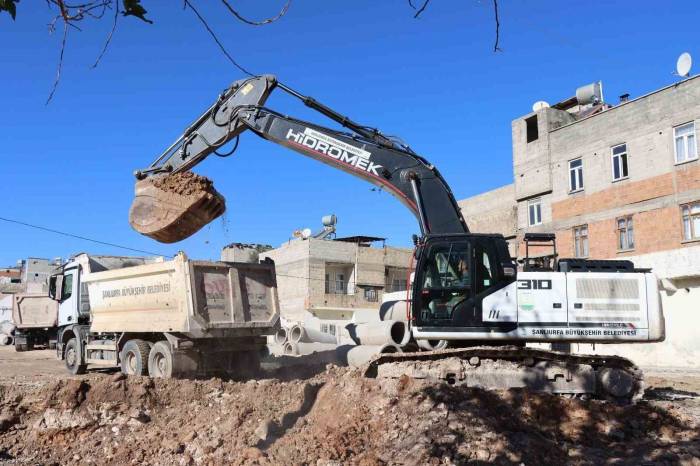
(466, 288)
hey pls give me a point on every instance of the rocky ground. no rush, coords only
(328, 416)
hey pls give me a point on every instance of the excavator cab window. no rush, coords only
(447, 280)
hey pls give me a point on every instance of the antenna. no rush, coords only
(539, 105)
(683, 64)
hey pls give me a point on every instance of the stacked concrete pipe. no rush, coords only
(380, 333)
(359, 355)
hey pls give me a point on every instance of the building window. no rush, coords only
(398, 284)
(684, 142)
(575, 175)
(534, 211)
(337, 280)
(581, 241)
(371, 295)
(620, 169)
(625, 234)
(691, 221)
(531, 128)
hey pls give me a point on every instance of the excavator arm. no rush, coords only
(363, 152)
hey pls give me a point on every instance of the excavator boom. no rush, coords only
(172, 214)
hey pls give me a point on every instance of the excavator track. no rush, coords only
(610, 378)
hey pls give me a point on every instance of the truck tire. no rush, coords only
(160, 360)
(134, 357)
(19, 347)
(74, 358)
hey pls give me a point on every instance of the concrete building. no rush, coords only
(333, 280)
(613, 182)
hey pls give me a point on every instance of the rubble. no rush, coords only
(331, 416)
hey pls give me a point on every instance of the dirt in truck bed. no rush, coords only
(329, 416)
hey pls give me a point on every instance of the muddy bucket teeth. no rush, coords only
(170, 208)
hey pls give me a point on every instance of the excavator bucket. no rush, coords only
(170, 208)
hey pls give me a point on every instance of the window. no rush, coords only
(336, 279)
(371, 295)
(575, 175)
(534, 211)
(684, 142)
(625, 234)
(620, 170)
(67, 289)
(340, 284)
(531, 127)
(691, 221)
(581, 241)
(395, 279)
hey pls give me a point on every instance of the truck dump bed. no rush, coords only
(34, 310)
(197, 298)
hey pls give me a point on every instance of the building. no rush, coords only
(613, 182)
(332, 280)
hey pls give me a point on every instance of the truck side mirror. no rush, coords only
(56, 287)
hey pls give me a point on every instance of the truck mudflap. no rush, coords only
(610, 378)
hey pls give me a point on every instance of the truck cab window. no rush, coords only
(67, 289)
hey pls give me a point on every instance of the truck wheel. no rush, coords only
(19, 347)
(74, 358)
(134, 357)
(160, 360)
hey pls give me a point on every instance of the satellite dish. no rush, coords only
(306, 233)
(685, 61)
(539, 105)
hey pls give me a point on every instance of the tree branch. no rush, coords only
(282, 12)
(111, 33)
(422, 8)
(496, 48)
(60, 63)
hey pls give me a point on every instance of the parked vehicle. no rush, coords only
(163, 318)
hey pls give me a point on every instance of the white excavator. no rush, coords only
(466, 289)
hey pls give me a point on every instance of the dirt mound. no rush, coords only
(335, 417)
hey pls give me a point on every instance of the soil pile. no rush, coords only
(329, 418)
(183, 183)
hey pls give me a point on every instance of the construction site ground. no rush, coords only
(328, 415)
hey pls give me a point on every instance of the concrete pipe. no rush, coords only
(359, 355)
(5, 340)
(432, 345)
(295, 333)
(380, 333)
(281, 336)
(393, 310)
(7, 327)
(311, 335)
(290, 349)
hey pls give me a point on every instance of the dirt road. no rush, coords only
(327, 417)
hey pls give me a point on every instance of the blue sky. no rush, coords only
(435, 81)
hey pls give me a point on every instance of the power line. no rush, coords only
(84, 238)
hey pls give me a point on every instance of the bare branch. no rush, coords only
(496, 48)
(258, 23)
(422, 8)
(60, 63)
(111, 33)
(216, 39)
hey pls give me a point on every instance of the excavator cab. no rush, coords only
(454, 273)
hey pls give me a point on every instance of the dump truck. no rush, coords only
(35, 316)
(164, 318)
